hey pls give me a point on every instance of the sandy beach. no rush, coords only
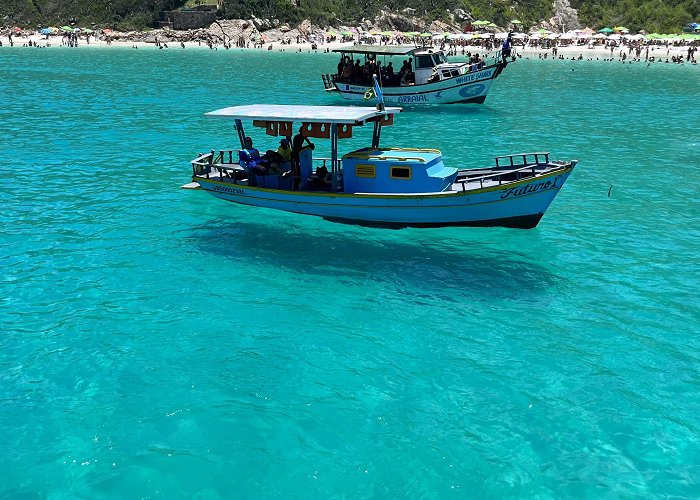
(659, 53)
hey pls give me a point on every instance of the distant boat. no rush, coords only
(432, 79)
(374, 185)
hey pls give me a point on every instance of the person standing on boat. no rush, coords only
(297, 146)
(506, 49)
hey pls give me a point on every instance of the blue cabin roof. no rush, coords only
(396, 170)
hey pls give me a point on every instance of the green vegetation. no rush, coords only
(652, 15)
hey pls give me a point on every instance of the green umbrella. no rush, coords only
(386, 33)
(411, 33)
(426, 35)
(88, 30)
(346, 33)
(481, 23)
(66, 28)
(516, 21)
(605, 30)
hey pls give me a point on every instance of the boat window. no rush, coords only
(424, 62)
(454, 72)
(400, 172)
(446, 74)
(440, 58)
(367, 171)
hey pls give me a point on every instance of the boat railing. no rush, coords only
(515, 166)
(224, 162)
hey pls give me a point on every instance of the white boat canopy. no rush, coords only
(308, 114)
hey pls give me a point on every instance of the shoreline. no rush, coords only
(660, 53)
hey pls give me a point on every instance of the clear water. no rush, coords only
(160, 342)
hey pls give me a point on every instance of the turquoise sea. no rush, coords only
(160, 343)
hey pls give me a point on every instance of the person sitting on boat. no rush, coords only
(347, 72)
(250, 157)
(389, 73)
(356, 76)
(406, 67)
(321, 179)
(284, 151)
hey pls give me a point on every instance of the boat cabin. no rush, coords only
(396, 170)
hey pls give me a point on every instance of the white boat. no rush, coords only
(433, 79)
(374, 185)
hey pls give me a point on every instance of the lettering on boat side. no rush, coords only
(531, 188)
(228, 189)
(412, 98)
(475, 76)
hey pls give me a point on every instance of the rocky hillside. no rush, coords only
(404, 15)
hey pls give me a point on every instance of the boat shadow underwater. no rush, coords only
(445, 267)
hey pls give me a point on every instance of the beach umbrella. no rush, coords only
(46, 31)
(516, 21)
(481, 23)
(88, 30)
(425, 35)
(66, 28)
(491, 25)
(600, 36)
(605, 30)
(519, 36)
(387, 33)
(501, 36)
(346, 33)
(621, 29)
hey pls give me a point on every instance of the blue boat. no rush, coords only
(374, 185)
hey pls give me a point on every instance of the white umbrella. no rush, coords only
(600, 36)
(535, 36)
(519, 36)
(501, 36)
(614, 37)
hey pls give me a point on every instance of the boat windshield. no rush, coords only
(440, 58)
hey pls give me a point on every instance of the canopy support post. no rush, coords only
(334, 157)
(376, 134)
(241, 133)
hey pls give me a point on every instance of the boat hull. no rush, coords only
(519, 204)
(467, 88)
